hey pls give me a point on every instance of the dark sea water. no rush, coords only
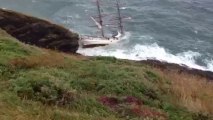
(177, 31)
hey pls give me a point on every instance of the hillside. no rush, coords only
(47, 85)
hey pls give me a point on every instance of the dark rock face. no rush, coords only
(164, 66)
(38, 32)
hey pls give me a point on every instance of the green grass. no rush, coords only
(35, 85)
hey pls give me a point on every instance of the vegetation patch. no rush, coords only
(43, 91)
(130, 106)
(152, 76)
(201, 116)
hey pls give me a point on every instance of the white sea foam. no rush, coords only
(209, 65)
(144, 52)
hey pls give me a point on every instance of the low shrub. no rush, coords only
(201, 116)
(151, 76)
(106, 59)
(119, 87)
(43, 91)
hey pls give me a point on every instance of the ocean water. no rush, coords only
(176, 31)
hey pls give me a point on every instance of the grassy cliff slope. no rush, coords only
(39, 84)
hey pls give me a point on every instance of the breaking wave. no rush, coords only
(148, 51)
(209, 65)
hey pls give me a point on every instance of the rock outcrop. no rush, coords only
(164, 66)
(38, 32)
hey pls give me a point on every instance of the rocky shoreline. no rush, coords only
(165, 66)
(44, 34)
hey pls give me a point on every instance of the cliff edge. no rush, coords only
(38, 32)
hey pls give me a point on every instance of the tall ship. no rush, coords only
(102, 39)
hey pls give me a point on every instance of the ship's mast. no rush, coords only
(120, 22)
(100, 18)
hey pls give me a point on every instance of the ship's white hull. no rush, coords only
(86, 42)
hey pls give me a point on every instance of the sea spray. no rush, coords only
(144, 52)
